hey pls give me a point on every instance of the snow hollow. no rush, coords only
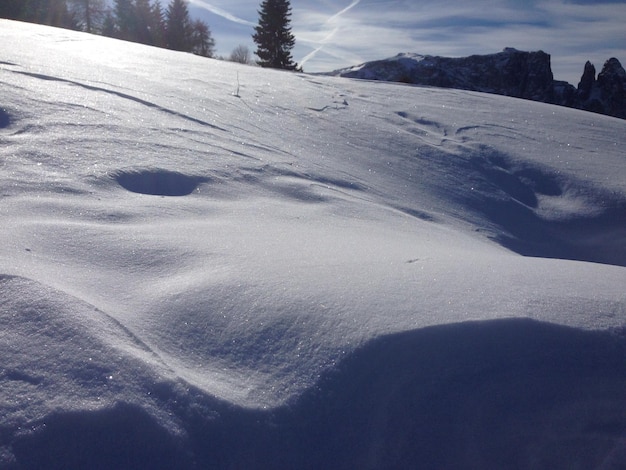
(311, 272)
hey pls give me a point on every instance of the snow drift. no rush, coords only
(313, 273)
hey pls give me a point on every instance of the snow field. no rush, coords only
(317, 273)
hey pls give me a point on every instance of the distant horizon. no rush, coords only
(335, 34)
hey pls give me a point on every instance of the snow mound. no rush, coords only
(431, 395)
(477, 395)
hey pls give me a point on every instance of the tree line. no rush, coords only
(143, 21)
(149, 22)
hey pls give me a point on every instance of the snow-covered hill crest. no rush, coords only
(196, 278)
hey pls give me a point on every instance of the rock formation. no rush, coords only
(511, 72)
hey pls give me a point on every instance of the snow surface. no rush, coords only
(208, 265)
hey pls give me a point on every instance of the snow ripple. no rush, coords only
(124, 96)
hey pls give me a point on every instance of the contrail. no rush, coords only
(322, 43)
(338, 14)
(328, 37)
(222, 13)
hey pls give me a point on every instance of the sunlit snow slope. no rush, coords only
(208, 265)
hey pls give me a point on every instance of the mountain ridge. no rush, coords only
(515, 73)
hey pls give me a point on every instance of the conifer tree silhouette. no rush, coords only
(273, 35)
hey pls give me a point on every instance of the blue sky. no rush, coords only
(331, 34)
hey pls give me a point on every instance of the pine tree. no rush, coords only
(48, 12)
(202, 43)
(273, 35)
(90, 14)
(178, 26)
(142, 11)
(108, 25)
(11, 9)
(158, 24)
(125, 20)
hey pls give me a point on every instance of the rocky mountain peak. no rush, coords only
(605, 94)
(511, 72)
(586, 81)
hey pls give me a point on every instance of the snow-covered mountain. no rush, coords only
(515, 73)
(208, 265)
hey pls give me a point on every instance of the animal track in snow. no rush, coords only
(430, 131)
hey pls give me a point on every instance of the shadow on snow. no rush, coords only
(512, 393)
